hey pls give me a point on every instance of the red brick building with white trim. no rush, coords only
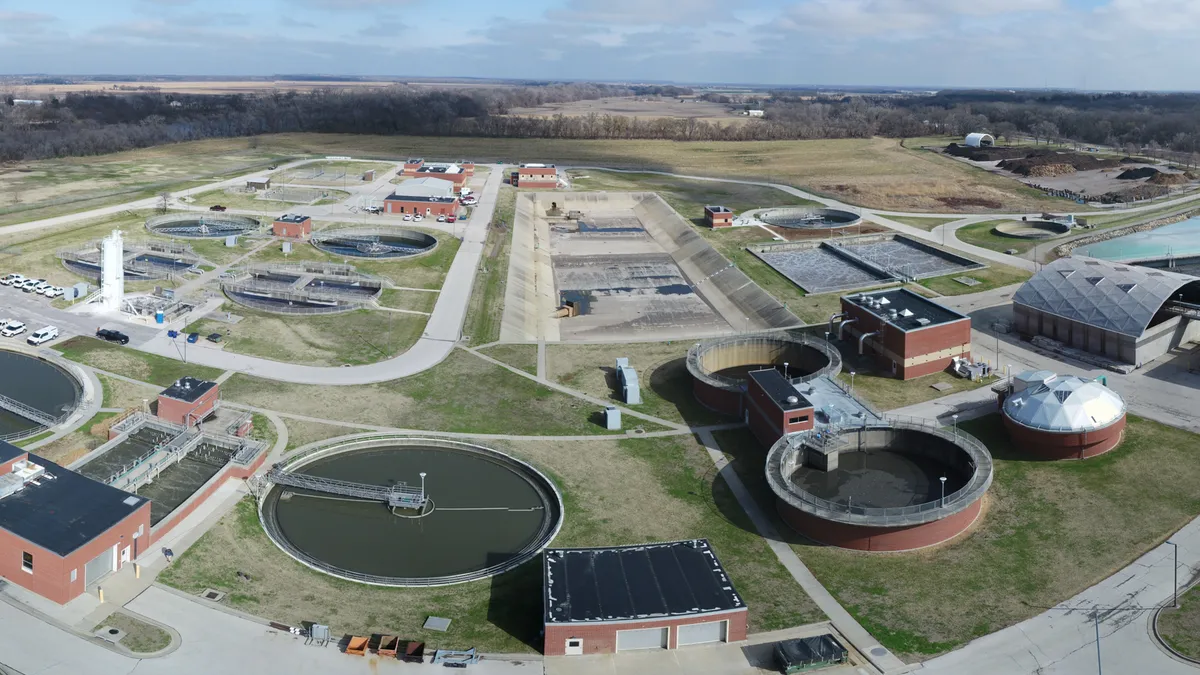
(418, 205)
(718, 216)
(625, 598)
(909, 334)
(189, 401)
(292, 226)
(537, 176)
(774, 408)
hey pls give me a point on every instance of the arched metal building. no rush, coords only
(1123, 312)
(978, 140)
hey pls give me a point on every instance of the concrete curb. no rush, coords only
(1159, 640)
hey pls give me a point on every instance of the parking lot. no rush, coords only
(35, 312)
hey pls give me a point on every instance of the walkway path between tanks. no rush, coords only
(846, 624)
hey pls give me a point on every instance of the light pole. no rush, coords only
(852, 382)
(1175, 569)
(955, 418)
(422, 485)
(943, 479)
(1099, 663)
(785, 366)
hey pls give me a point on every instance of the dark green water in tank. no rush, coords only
(36, 383)
(483, 513)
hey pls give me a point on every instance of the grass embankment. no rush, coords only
(1181, 627)
(523, 357)
(688, 197)
(140, 637)
(993, 276)
(615, 492)
(1049, 530)
(486, 308)
(886, 392)
(131, 363)
(873, 172)
(350, 338)
(666, 385)
(124, 394)
(463, 394)
(926, 224)
(983, 234)
(89, 436)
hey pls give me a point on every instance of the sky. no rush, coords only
(1079, 44)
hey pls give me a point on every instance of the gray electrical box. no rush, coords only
(79, 290)
(231, 241)
(612, 418)
(287, 247)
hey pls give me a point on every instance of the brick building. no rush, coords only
(418, 205)
(774, 408)
(292, 225)
(653, 596)
(455, 172)
(718, 216)
(61, 532)
(910, 335)
(188, 401)
(411, 165)
(538, 176)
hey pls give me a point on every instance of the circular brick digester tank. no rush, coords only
(719, 367)
(879, 488)
(1065, 417)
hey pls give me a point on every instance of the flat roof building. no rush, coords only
(774, 407)
(909, 334)
(188, 401)
(419, 205)
(718, 216)
(543, 176)
(292, 225)
(426, 187)
(60, 531)
(259, 183)
(651, 596)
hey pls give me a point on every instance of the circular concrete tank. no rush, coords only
(487, 512)
(37, 394)
(201, 225)
(719, 367)
(375, 243)
(1032, 229)
(809, 218)
(1065, 417)
(882, 490)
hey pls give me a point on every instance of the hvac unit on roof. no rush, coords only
(906, 313)
(923, 321)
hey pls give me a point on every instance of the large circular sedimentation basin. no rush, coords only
(375, 243)
(879, 488)
(487, 513)
(1065, 418)
(35, 392)
(1032, 229)
(200, 225)
(719, 367)
(808, 219)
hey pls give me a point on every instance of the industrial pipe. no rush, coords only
(835, 317)
(863, 338)
(842, 326)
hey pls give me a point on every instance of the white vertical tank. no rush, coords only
(112, 272)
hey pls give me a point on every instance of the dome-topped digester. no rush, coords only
(1065, 404)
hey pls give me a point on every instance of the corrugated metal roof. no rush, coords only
(1065, 404)
(1113, 296)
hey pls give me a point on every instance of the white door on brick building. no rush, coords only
(574, 647)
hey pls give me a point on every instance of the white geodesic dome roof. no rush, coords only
(1065, 404)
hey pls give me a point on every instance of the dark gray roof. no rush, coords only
(8, 451)
(913, 311)
(188, 389)
(1113, 296)
(292, 218)
(62, 513)
(419, 198)
(627, 583)
(779, 389)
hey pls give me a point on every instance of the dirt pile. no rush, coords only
(1162, 178)
(1136, 174)
(1050, 170)
(1134, 194)
(969, 202)
(1078, 161)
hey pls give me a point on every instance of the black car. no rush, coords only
(214, 338)
(112, 336)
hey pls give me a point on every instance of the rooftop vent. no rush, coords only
(923, 321)
(906, 313)
(792, 399)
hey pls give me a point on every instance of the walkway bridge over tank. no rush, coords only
(395, 496)
(18, 408)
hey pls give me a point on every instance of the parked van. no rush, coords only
(43, 336)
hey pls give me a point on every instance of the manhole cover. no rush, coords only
(109, 633)
(213, 595)
(878, 651)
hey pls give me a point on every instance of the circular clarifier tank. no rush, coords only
(719, 367)
(375, 243)
(201, 225)
(807, 219)
(36, 394)
(485, 512)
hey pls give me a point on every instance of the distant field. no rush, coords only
(195, 87)
(646, 108)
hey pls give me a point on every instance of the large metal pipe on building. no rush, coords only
(842, 327)
(863, 338)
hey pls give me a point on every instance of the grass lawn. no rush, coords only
(662, 371)
(926, 224)
(517, 356)
(615, 492)
(1181, 627)
(889, 393)
(486, 308)
(415, 301)
(688, 197)
(462, 394)
(1049, 530)
(426, 271)
(872, 172)
(358, 337)
(79, 442)
(130, 362)
(993, 276)
(33, 253)
(122, 394)
(353, 173)
(140, 637)
(301, 433)
(982, 234)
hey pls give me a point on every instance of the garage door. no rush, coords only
(700, 633)
(98, 567)
(645, 638)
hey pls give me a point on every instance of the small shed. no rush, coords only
(978, 140)
(259, 183)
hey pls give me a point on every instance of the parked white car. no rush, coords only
(408, 216)
(418, 217)
(8, 279)
(55, 292)
(40, 289)
(31, 284)
(12, 329)
(43, 336)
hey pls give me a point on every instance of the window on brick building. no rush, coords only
(797, 419)
(27, 561)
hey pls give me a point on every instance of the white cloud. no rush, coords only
(902, 18)
(643, 12)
